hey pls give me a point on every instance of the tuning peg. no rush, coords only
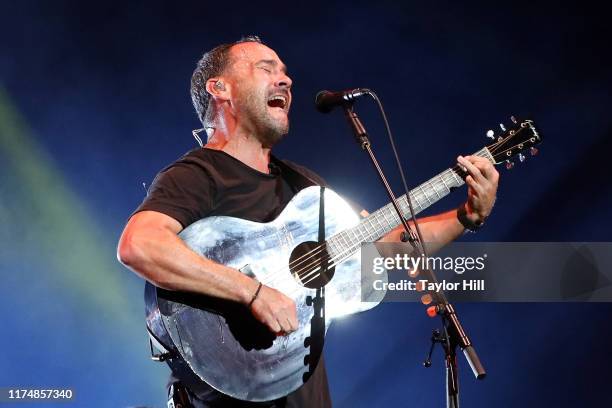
(499, 139)
(534, 151)
(521, 157)
(513, 119)
(502, 127)
(509, 165)
(491, 134)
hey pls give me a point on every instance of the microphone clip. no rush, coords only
(361, 136)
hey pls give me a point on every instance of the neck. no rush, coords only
(241, 145)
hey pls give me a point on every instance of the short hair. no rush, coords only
(212, 64)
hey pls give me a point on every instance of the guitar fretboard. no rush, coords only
(385, 219)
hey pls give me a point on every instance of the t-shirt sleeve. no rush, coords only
(183, 191)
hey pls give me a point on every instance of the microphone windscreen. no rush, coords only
(321, 102)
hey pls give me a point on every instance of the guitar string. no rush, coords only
(340, 258)
(415, 192)
(341, 255)
(349, 251)
(308, 257)
(318, 249)
(442, 178)
(316, 261)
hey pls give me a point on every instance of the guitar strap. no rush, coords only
(296, 179)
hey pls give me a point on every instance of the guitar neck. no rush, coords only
(382, 221)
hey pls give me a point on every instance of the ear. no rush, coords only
(216, 88)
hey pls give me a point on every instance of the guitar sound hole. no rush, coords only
(310, 265)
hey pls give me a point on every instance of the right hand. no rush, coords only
(275, 310)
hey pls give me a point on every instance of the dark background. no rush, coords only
(94, 100)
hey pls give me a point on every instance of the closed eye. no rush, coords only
(266, 69)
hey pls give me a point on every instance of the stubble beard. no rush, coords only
(269, 130)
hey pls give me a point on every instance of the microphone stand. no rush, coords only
(454, 335)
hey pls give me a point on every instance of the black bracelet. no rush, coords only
(466, 222)
(255, 295)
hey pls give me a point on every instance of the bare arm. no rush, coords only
(438, 230)
(151, 248)
(441, 229)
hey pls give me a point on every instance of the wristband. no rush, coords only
(255, 295)
(466, 222)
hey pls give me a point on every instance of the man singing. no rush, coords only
(242, 95)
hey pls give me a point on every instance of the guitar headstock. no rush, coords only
(515, 139)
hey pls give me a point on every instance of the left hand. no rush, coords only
(482, 180)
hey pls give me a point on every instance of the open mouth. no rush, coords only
(278, 101)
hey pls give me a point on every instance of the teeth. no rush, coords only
(281, 98)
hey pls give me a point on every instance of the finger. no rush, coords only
(490, 180)
(293, 321)
(470, 168)
(291, 314)
(274, 326)
(478, 188)
(293, 324)
(284, 324)
(485, 167)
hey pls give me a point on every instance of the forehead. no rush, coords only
(246, 54)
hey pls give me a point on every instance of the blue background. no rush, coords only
(94, 100)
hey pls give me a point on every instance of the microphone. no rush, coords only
(325, 101)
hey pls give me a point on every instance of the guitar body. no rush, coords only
(219, 342)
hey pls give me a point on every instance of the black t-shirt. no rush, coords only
(206, 182)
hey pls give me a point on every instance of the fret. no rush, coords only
(381, 227)
(368, 231)
(377, 218)
(353, 238)
(417, 207)
(389, 222)
(394, 218)
(357, 229)
(331, 247)
(488, 155)
(384, 213)
(425, 194)
(433, 186)
(401, 204)
(343, 235)
(346, 238)
(415, 200)
(406, 208)
(444, 182)
(383, 220)
(364, 236)
(459, 181)
(375, 228)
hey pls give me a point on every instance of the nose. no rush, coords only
(284, 81)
